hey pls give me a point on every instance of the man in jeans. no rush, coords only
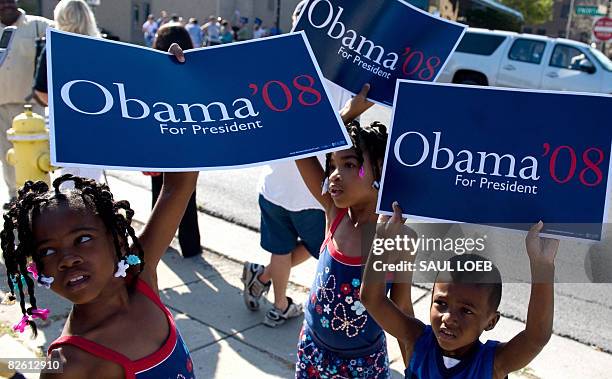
(16, 75)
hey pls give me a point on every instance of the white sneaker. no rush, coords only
(254, 289)
(275, 317)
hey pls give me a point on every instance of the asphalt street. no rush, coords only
(583, 312)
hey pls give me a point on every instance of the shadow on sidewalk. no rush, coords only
(225, 339)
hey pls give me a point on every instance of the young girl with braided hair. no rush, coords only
(339, 338)
(79, 242)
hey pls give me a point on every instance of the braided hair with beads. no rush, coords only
(371, 138)
(17, 240)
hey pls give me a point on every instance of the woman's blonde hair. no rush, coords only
(75, 16)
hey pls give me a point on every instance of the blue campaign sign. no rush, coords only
(377, 42)
(501, 157)
(124, 106)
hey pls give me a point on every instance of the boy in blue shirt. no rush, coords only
(464, 304)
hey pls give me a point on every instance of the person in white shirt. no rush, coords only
(292, 229)
(212, 31)
(149, 28)
(258, 30)
(193, 28)
(16, 74)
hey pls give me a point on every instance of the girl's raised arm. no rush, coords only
(313, 176)
(165, 219)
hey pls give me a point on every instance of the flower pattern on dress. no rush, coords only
(345, 288)
(316, 362)
(332, 312)
(358, 308)
(324, 322)
(351, 326)
(326, 291)
(327, 309)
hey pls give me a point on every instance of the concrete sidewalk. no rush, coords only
(228, 341)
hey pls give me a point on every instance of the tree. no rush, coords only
(488, 18)
(534, 11)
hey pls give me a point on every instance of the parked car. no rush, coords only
(508, 59)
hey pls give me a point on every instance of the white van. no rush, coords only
(508, 59)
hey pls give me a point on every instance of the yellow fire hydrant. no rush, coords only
(30, 152)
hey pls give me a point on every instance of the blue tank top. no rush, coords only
(335, 316)
(172, 360)
(427, 361)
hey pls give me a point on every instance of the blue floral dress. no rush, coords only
(339, 338)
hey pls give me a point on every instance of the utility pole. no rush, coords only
(569, 19)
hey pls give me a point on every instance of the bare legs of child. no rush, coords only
(278, 271)
(290, 237)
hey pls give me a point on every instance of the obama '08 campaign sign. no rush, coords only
(116, 105)
(377, 42)
(503, 157)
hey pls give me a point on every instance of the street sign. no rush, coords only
(590, 10)
(602, 29)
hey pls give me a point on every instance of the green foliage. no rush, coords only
(534, 11)
(30, 6)
(491, 19)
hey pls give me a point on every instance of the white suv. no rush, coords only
(508, 59)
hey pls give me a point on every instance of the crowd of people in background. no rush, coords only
(215, 31)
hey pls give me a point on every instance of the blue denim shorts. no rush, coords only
(281, 230)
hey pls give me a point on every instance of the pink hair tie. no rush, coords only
(21, 325)
(33, 270)
(41, 313)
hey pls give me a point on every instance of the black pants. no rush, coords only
(189, 233)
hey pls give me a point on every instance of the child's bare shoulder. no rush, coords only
(77, 363)
(499, 372)
(330, 214)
